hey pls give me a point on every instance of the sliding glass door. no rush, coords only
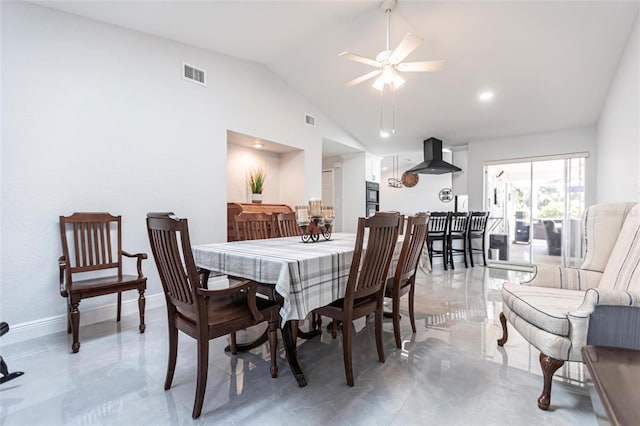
(535, 208)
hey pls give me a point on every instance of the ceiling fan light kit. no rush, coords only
(389, 64)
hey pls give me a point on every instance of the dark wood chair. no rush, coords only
(364, 293)
(252, 226)
(197, 311)
(404, 279)
(438, 222)
(477, 231)
(91, 245)
(286, 225)
(457, 228)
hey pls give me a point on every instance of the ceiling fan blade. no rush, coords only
(425, 66)
(406, 46)
(358, 58)
(363, 78)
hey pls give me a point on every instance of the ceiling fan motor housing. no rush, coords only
(389, 5)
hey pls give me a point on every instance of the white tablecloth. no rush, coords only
(306, 275)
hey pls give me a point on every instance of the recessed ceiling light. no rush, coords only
(384, 134)
(485, 96)
(385, 168)
(257, 144)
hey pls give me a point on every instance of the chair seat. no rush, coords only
(388, 290)
(97, 285)
(336, 310)
(229, 308)
(545, 308)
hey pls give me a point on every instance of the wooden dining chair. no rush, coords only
(404, 278)
(91, 265)
(364, 293)
(197, 311)
(477, 231)
(252, 226)
(438, 233)
(286, 225)
(457, 228)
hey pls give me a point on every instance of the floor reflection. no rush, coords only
(449, 372)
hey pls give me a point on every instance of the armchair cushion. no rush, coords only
(623, 267)
(544, 308)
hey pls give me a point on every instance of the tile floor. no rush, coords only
(450, 372)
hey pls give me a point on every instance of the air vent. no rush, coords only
(194, 74)
(310, 120)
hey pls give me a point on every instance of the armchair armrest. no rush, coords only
(62, 264)
(141, 257)
(250, 287)
(579, 318)
(561, 277)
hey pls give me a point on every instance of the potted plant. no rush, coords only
(255, 179)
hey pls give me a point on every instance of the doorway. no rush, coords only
(536, 206)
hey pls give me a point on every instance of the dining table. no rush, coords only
(305, 276)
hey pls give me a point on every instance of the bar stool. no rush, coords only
(477, 230)
(457, 228)
(438, 232)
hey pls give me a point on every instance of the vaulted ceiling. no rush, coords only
(549, 64)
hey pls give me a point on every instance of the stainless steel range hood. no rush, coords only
(433, 163)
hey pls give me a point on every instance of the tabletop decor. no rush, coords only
(315, 220)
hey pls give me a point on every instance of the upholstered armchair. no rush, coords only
(552, 311)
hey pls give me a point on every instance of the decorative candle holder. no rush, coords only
(315, 220)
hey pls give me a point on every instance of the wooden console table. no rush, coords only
(615, 373)
(234, 209)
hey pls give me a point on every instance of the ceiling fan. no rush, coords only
(388, 62)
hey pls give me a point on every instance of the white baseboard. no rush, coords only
(56, 324)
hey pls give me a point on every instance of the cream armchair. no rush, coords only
(552, 311)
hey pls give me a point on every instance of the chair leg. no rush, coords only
(68, 317)
(273, 343)
(450, 252)
(234, 343)
(395, 315)
(412, 296)
(484, 252)
(201, 381)
(141, 307)
(505, 335)
(378, 330)
(173, 354)
(346, 351)
(75, 326)
(334, 328)
(549, 366)
(464, 251)
(470, 250)
(119, 306)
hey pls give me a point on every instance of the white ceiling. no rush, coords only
(549, 64)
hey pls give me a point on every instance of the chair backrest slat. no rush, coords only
(478, 222)
(171, 247)
(458, 222)
(438, 223)
(252, 226)
(287, 225)
(368, 272)
(416, 235)
(87, 241)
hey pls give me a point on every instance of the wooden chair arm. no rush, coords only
(250, 287)
(141, 257)
(62, 264)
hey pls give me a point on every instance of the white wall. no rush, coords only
(536, 145)
(422, 197)
(353, 189)
(619, 130)
(240, 160)
(98, 118)
(460, 182)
